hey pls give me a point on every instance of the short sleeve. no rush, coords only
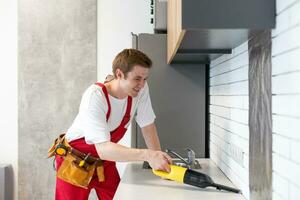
(145, 114)
(93, 118)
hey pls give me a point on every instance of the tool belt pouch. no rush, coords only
(100, 173)
(71, 172)
(57, 141)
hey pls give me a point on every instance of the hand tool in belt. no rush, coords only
(62, 150)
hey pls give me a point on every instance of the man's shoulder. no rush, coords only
(93, 91)
(94, 88)
(92, 96)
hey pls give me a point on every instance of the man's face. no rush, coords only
(135, 80)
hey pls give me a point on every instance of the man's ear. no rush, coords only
(119, 74)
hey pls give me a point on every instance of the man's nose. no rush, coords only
(142, 83)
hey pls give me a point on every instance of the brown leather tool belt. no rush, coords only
(77, 167)
(88, 158)
(62, 141)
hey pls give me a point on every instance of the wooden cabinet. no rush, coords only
(175, 31)
(201, 30)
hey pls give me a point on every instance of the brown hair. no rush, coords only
(128, 58)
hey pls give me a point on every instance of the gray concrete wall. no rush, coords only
(57, 62)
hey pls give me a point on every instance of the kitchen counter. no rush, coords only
(138, 183)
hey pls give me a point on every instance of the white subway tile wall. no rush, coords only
(229, 130)
(286, 101)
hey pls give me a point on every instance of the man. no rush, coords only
(104, 115)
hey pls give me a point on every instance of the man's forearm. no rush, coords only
(151, 137)
(115, 152)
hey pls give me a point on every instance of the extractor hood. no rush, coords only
(201, 30)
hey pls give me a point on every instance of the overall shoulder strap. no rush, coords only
(126, 117)
(107, 99)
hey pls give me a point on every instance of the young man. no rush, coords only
(106, 111)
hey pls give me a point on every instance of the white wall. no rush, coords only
(285, 107)
(286, 101)
(8, 87)
(116, 20)
(229, 130)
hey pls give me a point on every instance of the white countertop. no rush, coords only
(138, 183)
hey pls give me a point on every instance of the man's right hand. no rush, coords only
(159, 160)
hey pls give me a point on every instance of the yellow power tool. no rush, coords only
(191, 177)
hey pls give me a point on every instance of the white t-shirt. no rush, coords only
(91, 122)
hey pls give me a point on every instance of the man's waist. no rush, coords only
(81, 147)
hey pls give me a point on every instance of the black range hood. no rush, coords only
(211, 28)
